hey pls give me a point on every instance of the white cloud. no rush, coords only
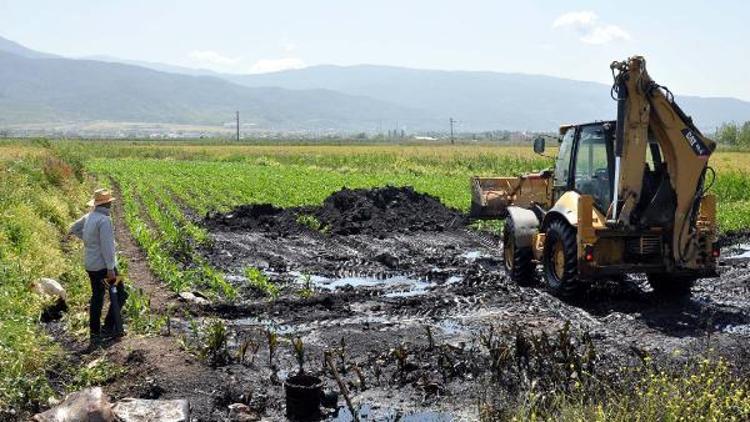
(578, 19)
(219, 62)
(605, 34)
(591, 31)
(275, 65)
(214, 58)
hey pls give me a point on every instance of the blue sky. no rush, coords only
(700, 48)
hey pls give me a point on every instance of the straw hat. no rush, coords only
(101, 197)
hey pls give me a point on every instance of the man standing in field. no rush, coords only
(96, 231)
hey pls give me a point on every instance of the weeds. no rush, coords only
(261, 283)
(492, 226)
(703, 389)
(97, 372)
(213, 342)
(273, 342)
(245, 346)
(401, 353)
(311, 222)
(39, 197)
(342, 355)
(299, 353)
(138, 312)
(308, 288)
(430, 338)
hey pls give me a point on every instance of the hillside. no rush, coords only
(481, 100)
(49, 90)
(41, 88)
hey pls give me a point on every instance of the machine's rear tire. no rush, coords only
(668, 285)
(560, 259)
(517, 260)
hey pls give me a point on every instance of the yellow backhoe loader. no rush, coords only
(624, 196)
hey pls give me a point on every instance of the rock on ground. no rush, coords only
(140, 410)
(49, 287)
(193, 298)
(89, 405)
(239, 412)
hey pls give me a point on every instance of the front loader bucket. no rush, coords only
(491, 196)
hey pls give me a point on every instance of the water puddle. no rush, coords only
(394, 286)
(369, 412)
(742, 329)
(451, 327)
(737, 252)
(472, 255)
(265, 325)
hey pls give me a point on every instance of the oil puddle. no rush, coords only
(368, 412)
(451, 327)
(395, 286)
(264, 324)
(737, 252)
(742, 329)
(472, 255)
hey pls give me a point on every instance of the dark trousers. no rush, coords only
(99, 289)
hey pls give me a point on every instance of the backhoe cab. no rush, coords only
(624, 196)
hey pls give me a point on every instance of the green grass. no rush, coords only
(39, 196)
(703, 389)
(97, 372)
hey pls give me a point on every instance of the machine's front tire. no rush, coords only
(668, 285)
(560, 259)
(517, 260)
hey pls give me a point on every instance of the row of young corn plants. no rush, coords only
(204, 186)
(168, 239)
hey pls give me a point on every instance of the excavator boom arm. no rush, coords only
(647, 110)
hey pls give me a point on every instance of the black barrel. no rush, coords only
(303, 394)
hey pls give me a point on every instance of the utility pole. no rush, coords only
(238, 126)
(451, 121)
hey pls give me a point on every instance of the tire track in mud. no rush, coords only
(461, 291)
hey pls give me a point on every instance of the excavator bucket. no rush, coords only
(491, 196)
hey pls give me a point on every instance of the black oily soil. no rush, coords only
(377, 211)
(256, 217)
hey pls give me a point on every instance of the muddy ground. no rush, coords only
(409, 293)
(413, 306)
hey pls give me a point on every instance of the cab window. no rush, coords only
(562, 166)
(592, 166)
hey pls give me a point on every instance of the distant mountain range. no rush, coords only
(38, 87)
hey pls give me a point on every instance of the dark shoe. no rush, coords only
(111, 333)
(95, 343)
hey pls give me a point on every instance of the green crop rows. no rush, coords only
(167, 188)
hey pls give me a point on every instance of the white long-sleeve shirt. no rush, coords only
(97, 233)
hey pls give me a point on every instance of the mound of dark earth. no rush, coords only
(376, 212)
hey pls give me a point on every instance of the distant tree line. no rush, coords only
(734, 134)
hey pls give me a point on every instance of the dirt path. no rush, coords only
(138, 271)
(155, 366)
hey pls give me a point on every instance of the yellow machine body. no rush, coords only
(632, 192)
